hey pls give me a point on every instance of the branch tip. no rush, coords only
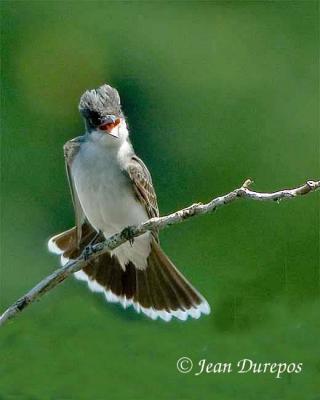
(247, 183)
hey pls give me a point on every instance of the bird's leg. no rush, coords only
(89, 250)
(127, 233)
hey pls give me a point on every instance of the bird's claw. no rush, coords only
(89, 249)
(87, 252)
(127, 233)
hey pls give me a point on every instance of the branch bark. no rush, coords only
(129, 233)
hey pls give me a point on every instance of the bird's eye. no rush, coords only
(95, 118)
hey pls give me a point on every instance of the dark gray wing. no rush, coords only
(71, 149)
(142, 185)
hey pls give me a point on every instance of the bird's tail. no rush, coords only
(159, 290)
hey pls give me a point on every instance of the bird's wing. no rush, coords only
(71, 149)
(142, 185)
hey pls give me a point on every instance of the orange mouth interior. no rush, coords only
(109, 126)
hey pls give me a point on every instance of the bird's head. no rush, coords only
(102, 112)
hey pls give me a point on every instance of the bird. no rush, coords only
(111, 189)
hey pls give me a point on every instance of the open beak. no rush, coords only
(108, 123)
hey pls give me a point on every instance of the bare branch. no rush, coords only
(126, 234)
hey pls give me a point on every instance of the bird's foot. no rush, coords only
(96, 236)
(127, 233)
(88, 251)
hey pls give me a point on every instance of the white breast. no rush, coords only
(107, 198)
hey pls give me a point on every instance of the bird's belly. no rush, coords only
(108, 206)
(107, 199)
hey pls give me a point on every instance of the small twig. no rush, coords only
(156, 224)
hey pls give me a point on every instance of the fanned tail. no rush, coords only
(159, 291)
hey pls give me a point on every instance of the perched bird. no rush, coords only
(112, 189)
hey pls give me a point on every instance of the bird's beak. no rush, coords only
(108, 123)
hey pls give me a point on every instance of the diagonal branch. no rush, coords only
(158, 223)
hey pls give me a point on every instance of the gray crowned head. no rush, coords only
(101, 108)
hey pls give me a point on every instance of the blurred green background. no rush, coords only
(214, 92)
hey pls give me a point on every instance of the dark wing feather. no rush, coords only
(142, 186)
(71, 149)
